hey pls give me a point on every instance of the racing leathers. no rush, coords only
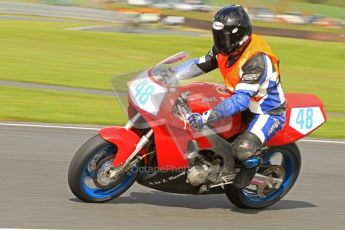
(253, 77)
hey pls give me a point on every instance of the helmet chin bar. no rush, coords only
(242, 46)
(245, 38)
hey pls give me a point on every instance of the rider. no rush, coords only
(251, 71)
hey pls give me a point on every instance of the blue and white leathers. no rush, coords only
(258, 79)
(266, 126)
(261, 82)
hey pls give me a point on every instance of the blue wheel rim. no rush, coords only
(99, 193)
(288, 163)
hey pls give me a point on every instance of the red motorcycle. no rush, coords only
(158, 149)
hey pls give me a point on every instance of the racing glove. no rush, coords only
(197, 120)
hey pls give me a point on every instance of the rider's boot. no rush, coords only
(245, 146)
(245, 175)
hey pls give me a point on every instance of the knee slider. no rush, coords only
(246, 146)
(243, 150)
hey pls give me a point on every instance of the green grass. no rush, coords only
(43, 52)
(313, 67)
(333, 128)
(18, 104)
(27, 1)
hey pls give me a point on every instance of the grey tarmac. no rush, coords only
(34, 192)
(45, 10)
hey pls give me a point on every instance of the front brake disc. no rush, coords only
(101, 177)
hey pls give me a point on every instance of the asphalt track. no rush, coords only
(62, 12)
(34, 192)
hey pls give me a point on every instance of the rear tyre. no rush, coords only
(85, 177)
(290, 163)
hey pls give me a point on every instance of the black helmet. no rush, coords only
(231, 28)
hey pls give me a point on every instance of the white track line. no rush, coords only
(322, 141)
(86, 27)
(48, 126)
(96, 129)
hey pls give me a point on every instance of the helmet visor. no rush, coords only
(222, 41)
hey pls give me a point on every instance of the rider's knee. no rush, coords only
(246, 145)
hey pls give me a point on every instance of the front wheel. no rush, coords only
(283, 162)
(88, 172)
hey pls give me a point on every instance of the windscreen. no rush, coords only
(147, 88)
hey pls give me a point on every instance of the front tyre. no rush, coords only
(287, 159)
(87, 174)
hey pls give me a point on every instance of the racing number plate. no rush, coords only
(304, 120)
(146, 94)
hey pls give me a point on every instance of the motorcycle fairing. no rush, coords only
(171, 146)
(171, 140)
(172, 182)
(125, 141)
(304, 114)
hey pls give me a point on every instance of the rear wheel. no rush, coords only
(88, 176)
(283, 162)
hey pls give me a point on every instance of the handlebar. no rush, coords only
(183, 108)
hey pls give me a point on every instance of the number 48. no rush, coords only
(305, 118)
(143, 92)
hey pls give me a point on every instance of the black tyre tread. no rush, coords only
(77, 165)
(235, 196)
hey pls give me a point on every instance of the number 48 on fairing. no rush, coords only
(147, 94)
(306, 119)
(143, 92)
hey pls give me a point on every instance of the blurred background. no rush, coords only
(57, 57)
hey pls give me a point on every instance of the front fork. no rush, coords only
(132, 160)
